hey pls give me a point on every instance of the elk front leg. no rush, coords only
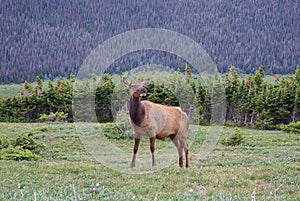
(135, 149)
(152, 148)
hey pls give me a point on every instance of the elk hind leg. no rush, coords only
(179, 148)
(186, 151)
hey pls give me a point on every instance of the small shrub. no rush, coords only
(53, 117)
(293, 127)
(233, 139)
(27, 142)
(21, 147)
(61, 116)
(43, 117)
(122, 120)
(116, 131)
(42, 128)
(265, 124)
(17, 153)
(5, 142)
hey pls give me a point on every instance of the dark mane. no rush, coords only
(136, 111)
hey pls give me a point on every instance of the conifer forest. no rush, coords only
(51, 39)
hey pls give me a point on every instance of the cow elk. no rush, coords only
(156, 121)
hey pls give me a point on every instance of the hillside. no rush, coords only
(52, 38)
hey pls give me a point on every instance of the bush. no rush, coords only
(17, 153)
(293, 127)
(5, 142)
(233, 139)
(116, 131)
(22, 147)
(53, 117)
(41, 128)
(27, 142)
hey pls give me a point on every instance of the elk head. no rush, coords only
(137, 89)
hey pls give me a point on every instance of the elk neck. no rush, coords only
(136, 111)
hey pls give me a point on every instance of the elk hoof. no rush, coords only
(180, 162)
(132, 165)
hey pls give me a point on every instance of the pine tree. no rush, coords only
(200, 100)
(72, 78)
(39, 85)
(187, 70)
(232, 89)
(28, 88)
(103, 99)
(243, 103)
(183, 91)
(157, 93)
(50, 98)
(259, 78)
(296, 110)
(218, 101)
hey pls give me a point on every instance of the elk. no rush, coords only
(156, 121)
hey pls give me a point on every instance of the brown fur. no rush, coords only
(157, 122)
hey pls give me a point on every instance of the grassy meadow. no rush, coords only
(9, 90)
(265, 167)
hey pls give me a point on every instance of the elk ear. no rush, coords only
(126, 82)
(146, 82)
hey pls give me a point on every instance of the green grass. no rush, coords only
(9, 90)
(268, 163)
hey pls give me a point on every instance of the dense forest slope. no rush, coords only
(52, 38)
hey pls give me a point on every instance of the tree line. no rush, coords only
(254, 101)
(250, 101)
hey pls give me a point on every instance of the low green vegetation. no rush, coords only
(265, 166)
(20, 147)
(57, 116)
(117, 131)
(293, 127)
(234, 139)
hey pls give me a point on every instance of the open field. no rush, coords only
(266, 166)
